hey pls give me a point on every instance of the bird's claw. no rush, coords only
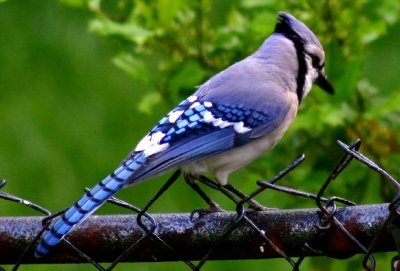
(254, 209)
(198, 213)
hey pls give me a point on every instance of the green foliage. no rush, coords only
(68, 116)
(170, 46)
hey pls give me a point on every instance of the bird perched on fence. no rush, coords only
(230, 120)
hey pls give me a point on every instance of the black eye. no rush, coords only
(317, 63)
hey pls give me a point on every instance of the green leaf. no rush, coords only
(73, 3)
(258, 3)
(389, 10)
(387, 105)
(168, 10)
(131, 65)
(372, 31)
(118, 10)
(148, 102)
(187, 74)
(128, 30)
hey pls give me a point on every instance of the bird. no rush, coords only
(229, 121)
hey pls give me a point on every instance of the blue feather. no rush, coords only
(189, 137)
(187, 150)
(89, 203)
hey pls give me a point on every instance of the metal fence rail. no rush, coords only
(197, 237)
(296, 231)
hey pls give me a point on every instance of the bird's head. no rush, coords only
(310, 54)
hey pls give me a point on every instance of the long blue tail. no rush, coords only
(92, 200)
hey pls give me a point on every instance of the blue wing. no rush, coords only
(203, 129)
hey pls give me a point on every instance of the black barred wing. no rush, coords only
(196, 129)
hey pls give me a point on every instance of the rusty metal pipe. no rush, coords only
(105, 237)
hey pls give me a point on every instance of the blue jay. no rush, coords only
(231, 120)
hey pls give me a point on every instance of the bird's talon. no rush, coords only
(253, 209)
(199, 213)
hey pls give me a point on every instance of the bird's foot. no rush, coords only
(254, 206)
(260, 208)
(198, 213)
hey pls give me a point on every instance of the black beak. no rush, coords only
(323, 83)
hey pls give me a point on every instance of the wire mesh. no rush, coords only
(194, 239)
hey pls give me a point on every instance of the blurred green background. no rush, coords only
(82, 81)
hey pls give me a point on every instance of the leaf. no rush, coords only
(168, 10)
(148, 102)
(258, 3)
(388, 105)
(128, 30)
(72, 3)
(373, 31)
(316, 118)
(118, 10)
(188, 74)
(133, 66)
(389, 10)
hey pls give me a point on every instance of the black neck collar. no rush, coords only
(282, 27)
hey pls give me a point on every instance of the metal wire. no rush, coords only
(203, 236)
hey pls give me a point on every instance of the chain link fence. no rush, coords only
(195, 238)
